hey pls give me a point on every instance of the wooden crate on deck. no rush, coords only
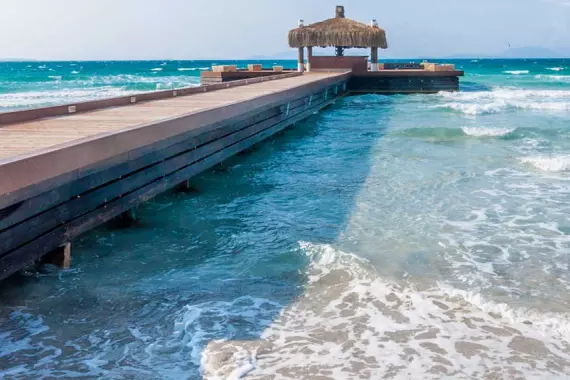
(224, 68)
(254, 67)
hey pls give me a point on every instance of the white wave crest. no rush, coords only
(490, 132)
(474, 109)
(554, 78)
(192, 68)
(555, 68)
(157, 69)
(549, 163)
(501, 99)
(516, 72)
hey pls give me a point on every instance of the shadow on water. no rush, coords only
(219, 262)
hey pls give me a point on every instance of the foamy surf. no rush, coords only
(192, 68)
(351, 324)
(548, 163)
(554, 78)
(516, 72)
(504, 99)
(555, 68)
(487, 132)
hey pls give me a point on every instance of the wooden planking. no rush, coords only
(66, 162)
(15, 117)
(64, 233)
(128, 163)
(37, 135)
(10, 238)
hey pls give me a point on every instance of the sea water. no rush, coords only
(404, 237)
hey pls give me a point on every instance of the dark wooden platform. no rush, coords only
(407, 81)
(63, 175)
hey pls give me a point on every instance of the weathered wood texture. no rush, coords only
(39, 151)
(64, 207)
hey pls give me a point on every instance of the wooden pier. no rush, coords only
(67, 169)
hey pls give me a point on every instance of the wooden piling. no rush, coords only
(61, 256)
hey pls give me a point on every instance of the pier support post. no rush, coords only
(374, 59)
(60, 257)
(301, 61)
(129, 216)
(309, 57)
(186, 187)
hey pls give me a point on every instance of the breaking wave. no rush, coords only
(549, 163)
(192, 68)
(487, 132)
(350, 323)
(502, 99)
(450, 134)
(516, 72)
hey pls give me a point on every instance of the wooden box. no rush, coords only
(278, 68)
(254, 67)
(224, 68)
(445, 67)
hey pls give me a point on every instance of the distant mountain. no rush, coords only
(531, 52)
(17, 60)
(292, 54)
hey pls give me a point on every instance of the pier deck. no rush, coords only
(61, 176)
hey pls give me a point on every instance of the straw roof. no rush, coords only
(338, 31)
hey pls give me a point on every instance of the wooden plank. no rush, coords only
(9, 118)
(77, 154)
(12, 237)
(129, 163)
(32, 251)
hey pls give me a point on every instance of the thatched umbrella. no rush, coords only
(341, 33)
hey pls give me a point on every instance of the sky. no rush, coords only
(216, 29)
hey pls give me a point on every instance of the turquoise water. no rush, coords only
(37, 84)
(402, 237)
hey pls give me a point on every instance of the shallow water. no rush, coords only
(396, 237)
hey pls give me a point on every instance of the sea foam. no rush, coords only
(349, 321)
(192, 68)
(502, 99)
(487, 132)
(549, 163)
(516, 72)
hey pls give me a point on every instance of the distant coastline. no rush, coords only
(18, 60)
